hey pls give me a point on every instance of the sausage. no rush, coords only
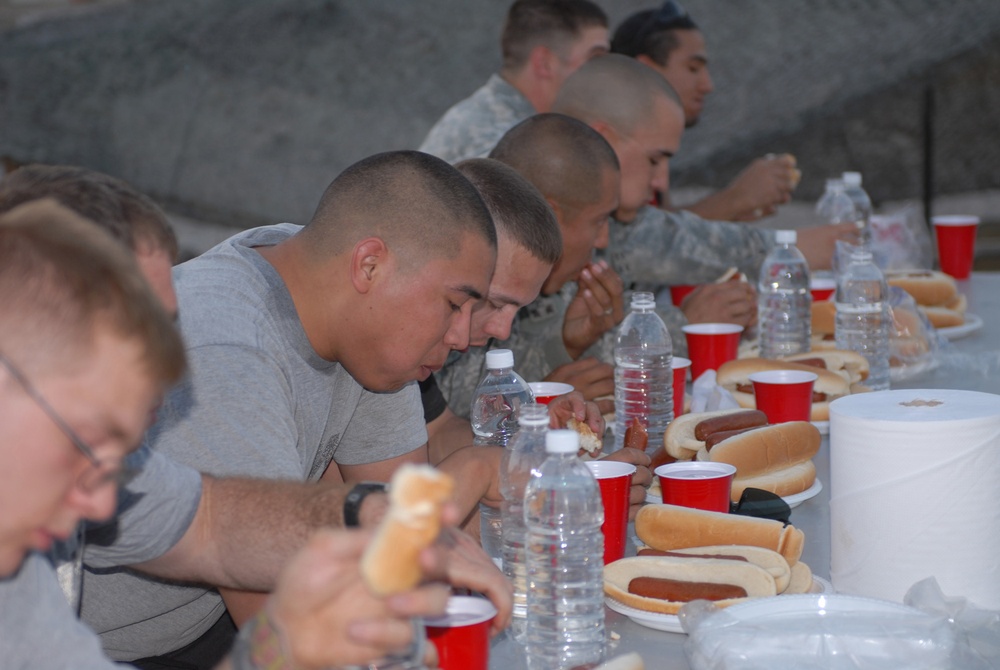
(715, 438)
(748, 388)
(681, 591)
(734, 421)
(647, 551)
(812, 362)
(660, 457)
(636, 436)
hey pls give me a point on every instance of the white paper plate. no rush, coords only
(822, 426)
(670, 623)
(799, 498)
(973, 322)
(792, 500)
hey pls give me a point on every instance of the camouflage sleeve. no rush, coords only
(460, 376)
(673, 317)
(664, 248)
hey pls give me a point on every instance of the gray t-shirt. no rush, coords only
(38, 625)
(258, 402)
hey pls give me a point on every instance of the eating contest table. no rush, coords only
(971, 362)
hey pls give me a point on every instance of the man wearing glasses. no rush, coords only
(86, 351)
(668, 40)
(543, 42)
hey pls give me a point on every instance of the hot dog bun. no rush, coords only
(417, 494)
(754, 579)
(942, 317)
(679, 439)
(670, 527)
(589, 441)
(736, 373)
(783, 481)
(928, 287)
(850, 365)
(801, 579)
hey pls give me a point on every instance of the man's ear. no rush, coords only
(542, 61)
(367, 260)
(605, 130)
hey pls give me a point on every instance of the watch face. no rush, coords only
(352, 503)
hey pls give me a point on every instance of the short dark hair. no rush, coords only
(417, 203)
(563, 157)
(519, 210)
(552, 23)
(128, 215)
(642, 34)
(61, 278)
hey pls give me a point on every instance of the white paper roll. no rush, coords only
(915, 493)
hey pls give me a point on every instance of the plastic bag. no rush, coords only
(805, 632)
(707, 396)
(914, 344)
(901, 240)
(977, 631)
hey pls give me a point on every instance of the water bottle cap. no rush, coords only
(852, 178)
(562, 442)
(533, 415)
(499, 358)
(860, 255)
(785, 236)
(643, 300)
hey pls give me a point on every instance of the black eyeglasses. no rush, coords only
(762, 504)
(669, 13)
(101, 473)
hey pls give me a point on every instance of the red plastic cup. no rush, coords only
(956, 240)
(615, 480)
(680, 366)
(462, 635)
(822, 288)
(711, 344)
(784, 395)
(698, 484)
(544, 392)
(679, 292)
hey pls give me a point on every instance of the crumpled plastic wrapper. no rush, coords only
(914, 344)
(977, 631)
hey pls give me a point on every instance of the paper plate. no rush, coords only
(670, 623)
(973, 322)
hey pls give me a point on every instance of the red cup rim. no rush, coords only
(679, 362)
(955, 220)
(610, 469)
(546, 389)
(465, 605)
(712, 328)
(708, 468)
(783, 377)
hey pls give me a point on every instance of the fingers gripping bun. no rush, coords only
(589, 441)
(391, 562)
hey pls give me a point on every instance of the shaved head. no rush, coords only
(418, 204)
(564, 158)
(519, 210)
(613, 89)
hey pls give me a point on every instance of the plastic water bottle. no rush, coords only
(863, 316)
(521, 460)
(862, 203)
(784, 303)
(565, 556)
(495, 406)
(643, 376)
(836, 206)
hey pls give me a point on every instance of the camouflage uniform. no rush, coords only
(472, 127)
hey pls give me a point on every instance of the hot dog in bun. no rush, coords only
(734, 376)
(664, 583)
(686, 435)
(671, 527)
(775, 458)
(417, 494)
(771, 561)
(850, 365)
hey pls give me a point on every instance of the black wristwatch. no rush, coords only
(352, 503)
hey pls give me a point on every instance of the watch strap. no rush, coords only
(352, 503)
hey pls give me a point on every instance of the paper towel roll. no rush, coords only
(915, 493)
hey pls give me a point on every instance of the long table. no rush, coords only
(971, 363)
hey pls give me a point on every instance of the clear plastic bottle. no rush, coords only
(495, 406)
(565, 557)
(643, 376)
(784, 303)
(836, 206)
(862, 203)
(521, 460)
(863, 316)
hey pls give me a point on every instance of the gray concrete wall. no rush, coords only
(241, 111)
